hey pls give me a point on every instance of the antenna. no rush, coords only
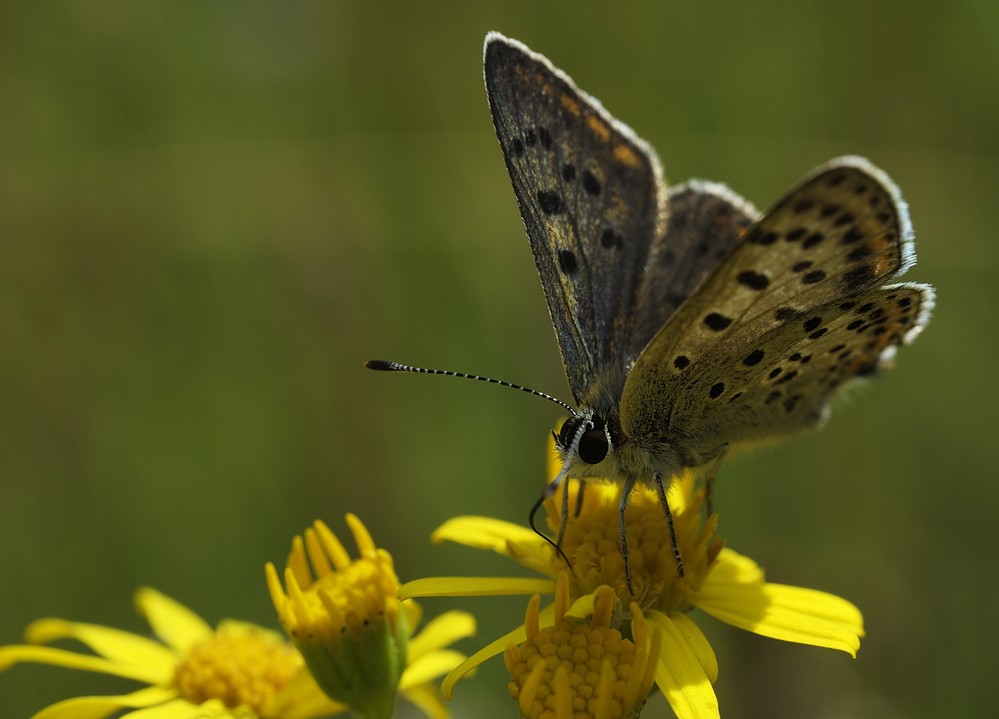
(388, 366)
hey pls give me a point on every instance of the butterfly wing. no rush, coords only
(706, 219)
(805, 281)
(592, 200)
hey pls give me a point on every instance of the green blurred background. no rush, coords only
(212, 213)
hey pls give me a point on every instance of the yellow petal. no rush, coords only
(680, 674)
(430, 666)
(791, 614)
(490, 650)
(15, 654)
(301, 698)
(441, 631)
(483, 533)
(699, 644)
(172, 622)
(474, 587)
(116, 645)
(582, 607)
(428, 700)
(183, 709)
(734, 567)
(97, 707)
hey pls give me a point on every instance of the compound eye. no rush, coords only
(593, 446)
(568, 431)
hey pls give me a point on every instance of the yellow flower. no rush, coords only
(717, 580)
(569, 669)
(238, 670)
(355, 636)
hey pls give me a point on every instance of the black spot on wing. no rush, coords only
(567, 262)
(550, 202)
(717, 321)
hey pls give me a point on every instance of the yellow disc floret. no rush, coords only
(240, 665)
(580, 670)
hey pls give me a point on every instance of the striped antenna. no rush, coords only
(387, 366)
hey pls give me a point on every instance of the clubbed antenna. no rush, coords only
(388, 366)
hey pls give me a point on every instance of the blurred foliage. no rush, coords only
(212, 213)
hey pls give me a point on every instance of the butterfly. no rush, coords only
(689, 323)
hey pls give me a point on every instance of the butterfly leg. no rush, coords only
(564, 520)
(579, 497)
(629, 484)
(661, 491)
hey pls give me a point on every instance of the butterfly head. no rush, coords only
(594, 440)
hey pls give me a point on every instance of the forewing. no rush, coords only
(798, 276)
(592, 200)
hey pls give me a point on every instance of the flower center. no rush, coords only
(347, 600)
(581, 670)
(592, 544)
(238, 666)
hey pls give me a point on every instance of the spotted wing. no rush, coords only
(706, 219)
(805, 281)
(592, 200)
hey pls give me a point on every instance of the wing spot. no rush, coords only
(775, 372)
(590, 183)
(518, 147)
(716, 390)
(828, 211)
(850, 236)
(788, 377)
(812, 324)
(802, 266)
(545, 137)
(681, 361)
(753, 358)
(717, 321)
(611, 240)
(812, 277)
(845, 219)
(857, 278)
(568, 172)
(783, 314)
(796, 234)
(753, 280)
(812, 240)
(765, 239)
(817, 333)
(859, 253)
(567, 262)
(803, 206)
(550, 202)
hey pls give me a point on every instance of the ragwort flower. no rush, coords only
(717, 580)
(239, 670)
(355, 635)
